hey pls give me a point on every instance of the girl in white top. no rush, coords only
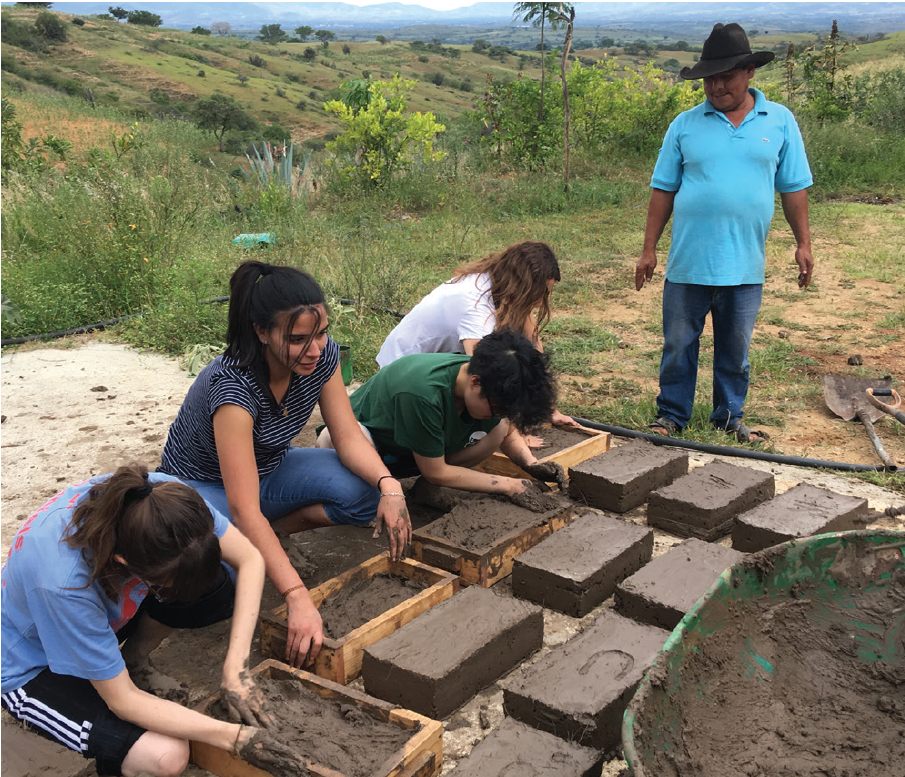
(506, 290)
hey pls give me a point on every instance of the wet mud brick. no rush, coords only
(620, 480)
(578, 567)
(340, 658)
(421, 756)
(661, 592)
(581, 444)
(514, 748)
(802, 511)
(580, 690)
(480, 538)
(705, 502)
(440, 660)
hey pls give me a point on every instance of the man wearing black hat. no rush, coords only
(717, 171)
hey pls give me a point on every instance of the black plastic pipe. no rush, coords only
(741, 453)
(79, 330)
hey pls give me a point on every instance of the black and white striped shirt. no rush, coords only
(191, 451)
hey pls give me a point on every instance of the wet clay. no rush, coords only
(479, 524)
(705, 502)
(363, 600)
(661, 592)
(621, 479)
(579, 566)
(822, 710)
(802, 511)
(579, 690)
(556, 440)
(341, 736)
(513, 749)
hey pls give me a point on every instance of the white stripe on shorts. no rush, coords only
(67, 732)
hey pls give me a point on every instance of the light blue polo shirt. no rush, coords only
(724, 178)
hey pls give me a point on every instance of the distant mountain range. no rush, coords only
(689, 19)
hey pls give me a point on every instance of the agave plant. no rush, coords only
(273, 164)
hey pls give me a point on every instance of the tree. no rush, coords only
(479, 46)
(144, 18)
(303, 32)
(309, 54)
(324, 36)
(382, 40)
(539, 14)
(221, 28)
(220, 113)
(118, 12)
(272, 33)
(565, 14)
(200, 31)
(48, 25)
(33, 5)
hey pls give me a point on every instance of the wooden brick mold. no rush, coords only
(588, 443)
(490, 563)
(339, 659)
(421, 756)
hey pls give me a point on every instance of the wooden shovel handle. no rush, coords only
(892, 409)
(875, 441)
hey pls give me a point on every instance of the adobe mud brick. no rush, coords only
(802, 511)
(665, 589)
(580, 690)
(705, 502)
(437, 662)
(621, 479)
(516, 749)
(578, 567)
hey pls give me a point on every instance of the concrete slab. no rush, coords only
(705, 502)
(665, 589)
(802, 511)
(581, 689)
(514, 749)
(441, 659)
(621, 479)
(578, 567)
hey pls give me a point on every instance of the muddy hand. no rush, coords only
(548, 472)
(267, 753)
(533, 499)
(246, 703)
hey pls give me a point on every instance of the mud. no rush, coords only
(478, 524)
(827, 708)
(621, 479)
(577, 568)
(802, 511)
(340, 735)
(363, 600)
(556, 440)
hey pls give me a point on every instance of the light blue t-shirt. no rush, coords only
(724, 178)
(48, 617)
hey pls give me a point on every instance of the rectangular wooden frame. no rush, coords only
(495, 563)
(422, 755)
(596, 442)
(339, 659)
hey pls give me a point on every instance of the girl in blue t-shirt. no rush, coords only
(231, 438)
(76, 584)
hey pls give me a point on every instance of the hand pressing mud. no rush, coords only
(149, 678)
(244, 701)
(261, 749)
(548, 472)
(534, 499)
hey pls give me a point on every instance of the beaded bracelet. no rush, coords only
(391, 493)
(290, 590)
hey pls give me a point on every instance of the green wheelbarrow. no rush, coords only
(793, 663)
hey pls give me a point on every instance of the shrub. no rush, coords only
(160, 97)
(309, 54)
(293, 78)
(200, 31)
(254, 59)
(423, 58)
(48, 25)
(301, 105)
(21, 36)
(201, 74)
(279, 92)
(78, 22)
(346, 48)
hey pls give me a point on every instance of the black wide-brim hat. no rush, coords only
(725, 49)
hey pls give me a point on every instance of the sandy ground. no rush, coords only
(69, 413)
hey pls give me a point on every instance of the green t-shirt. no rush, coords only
(410, 405)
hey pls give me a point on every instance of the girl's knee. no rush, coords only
(158, 755)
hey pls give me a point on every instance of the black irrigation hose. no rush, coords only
(721, 450)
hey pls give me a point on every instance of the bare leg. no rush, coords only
(137, 655)
(303, 519)
(156, 754)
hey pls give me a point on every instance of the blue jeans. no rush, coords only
(306, 476)
(685, 308)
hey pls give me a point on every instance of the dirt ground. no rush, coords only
(76, 411)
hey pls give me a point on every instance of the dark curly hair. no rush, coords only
(515, 378)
